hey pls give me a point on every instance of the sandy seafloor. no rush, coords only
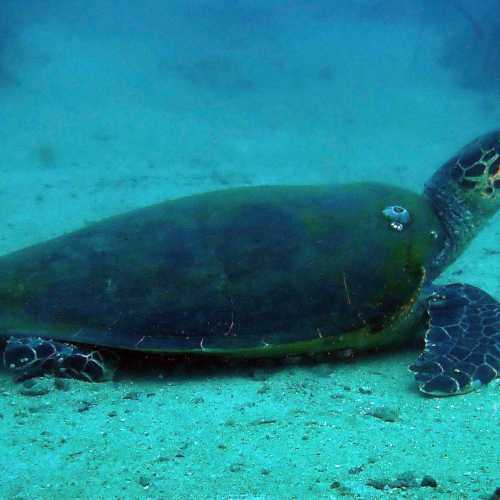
(98, 121)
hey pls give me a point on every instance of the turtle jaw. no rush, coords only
(465, 194)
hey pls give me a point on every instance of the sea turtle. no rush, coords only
(266, 271)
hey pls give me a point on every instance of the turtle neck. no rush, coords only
(461, 219)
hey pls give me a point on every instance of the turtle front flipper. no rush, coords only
(462, 344)
(34, 356)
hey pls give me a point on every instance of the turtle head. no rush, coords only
(476, 172)
(465, 191)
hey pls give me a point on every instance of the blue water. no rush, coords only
(108, 105)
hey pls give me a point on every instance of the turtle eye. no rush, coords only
(398, 216)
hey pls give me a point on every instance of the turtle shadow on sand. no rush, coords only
(156, 366)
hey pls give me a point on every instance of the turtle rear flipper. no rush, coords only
(33, 356)
(462, 344)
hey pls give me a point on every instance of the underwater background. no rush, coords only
(110, 105)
